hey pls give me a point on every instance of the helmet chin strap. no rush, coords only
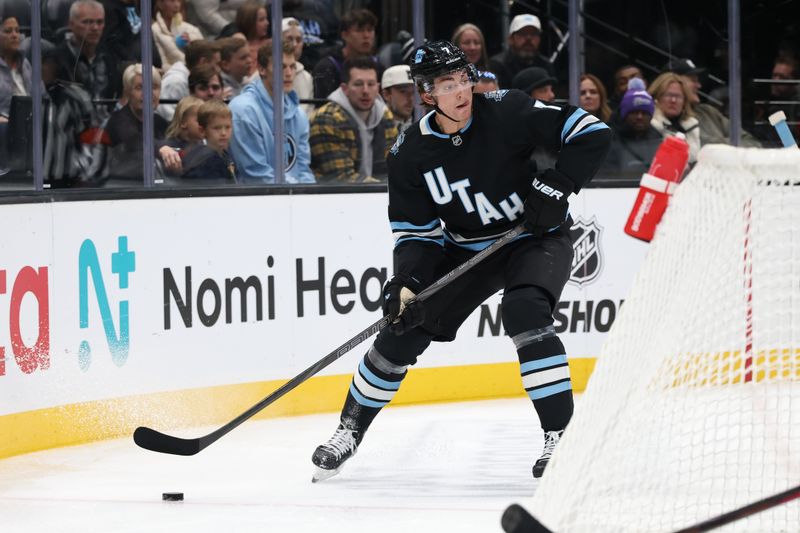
(439, 109)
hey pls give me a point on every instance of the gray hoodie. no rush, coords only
(366, 130)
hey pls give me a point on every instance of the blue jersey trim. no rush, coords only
(430, 130)
(401, 240)
(588, 129)
(408, 225)
(544, 392)
(573, 118)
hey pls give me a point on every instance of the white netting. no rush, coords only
(693, 409)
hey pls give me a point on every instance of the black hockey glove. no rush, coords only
(399, 304)
(547, 205)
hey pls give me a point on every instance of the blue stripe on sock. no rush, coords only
(363, 400)
(544, 392)
(375, 380)
(547, 362)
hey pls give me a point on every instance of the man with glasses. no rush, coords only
(459, 179)
(352, 133)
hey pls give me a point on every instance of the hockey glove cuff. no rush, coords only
(547, 205)
(399, 304)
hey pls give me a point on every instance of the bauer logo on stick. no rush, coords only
(587, 259)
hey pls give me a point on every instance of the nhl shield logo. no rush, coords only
(587, 259)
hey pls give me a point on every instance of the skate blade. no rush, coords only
(320, 474)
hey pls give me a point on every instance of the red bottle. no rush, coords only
(657, 185)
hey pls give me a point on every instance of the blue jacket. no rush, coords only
(252, 142)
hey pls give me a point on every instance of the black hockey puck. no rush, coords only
(172, 496)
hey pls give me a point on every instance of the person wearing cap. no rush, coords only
(524, 37)
(292, 31)
(536, 82)
(397, 89)
(715, 127)
(635, 141)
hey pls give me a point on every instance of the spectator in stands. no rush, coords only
(235, 64)
(125, 126)
(252, 21)
(253, 137)
(487, 82)
(211, 161)
(714, 126)
(536, 82)
(175, 83)
(636, 140)
(303, 83)
(673, 113)
(470, 39)
(592, 97)
(121, 33)
(320, 27)
(212, 15)
(358, 35)
(784, 68)
(621, 78)
(205, 83)
(15, 70)
(171, 32)
(182, 134)
(352, 133)
(397, 89)
(524, 38)
(83, 58)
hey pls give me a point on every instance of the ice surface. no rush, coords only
(438, 468)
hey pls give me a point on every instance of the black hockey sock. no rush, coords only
(545, 376)
(374, 385)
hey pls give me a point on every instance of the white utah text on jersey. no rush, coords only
(442, 193)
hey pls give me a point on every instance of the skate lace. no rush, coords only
(343, 440)
(551, 438)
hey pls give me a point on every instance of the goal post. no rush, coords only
(693, 408)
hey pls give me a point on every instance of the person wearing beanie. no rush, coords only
(635, 139)
(536, 82)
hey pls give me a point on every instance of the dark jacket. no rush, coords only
(506, 64)
(630, 154)
(203, 163)
(99, 77)
(327, 73)
(120, 39)
(125, 132)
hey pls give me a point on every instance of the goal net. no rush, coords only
(693, 409)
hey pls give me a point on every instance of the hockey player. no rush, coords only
(458, 180)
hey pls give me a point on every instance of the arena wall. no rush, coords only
(121, 313)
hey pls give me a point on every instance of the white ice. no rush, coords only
(430, 468)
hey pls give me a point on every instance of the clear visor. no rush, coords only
(451, 83)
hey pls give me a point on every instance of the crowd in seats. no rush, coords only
(346, 99)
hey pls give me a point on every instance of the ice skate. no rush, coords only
(329, 458)
(551, 438)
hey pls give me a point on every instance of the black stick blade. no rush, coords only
(516, 519)
(155, 441)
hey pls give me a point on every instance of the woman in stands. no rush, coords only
(253, 23)
(171, 32)
(15, 70)
(593, 98)
(674, 112)
(470, 39)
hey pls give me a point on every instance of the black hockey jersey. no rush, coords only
(467, 189)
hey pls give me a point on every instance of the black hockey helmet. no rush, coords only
(438, 58)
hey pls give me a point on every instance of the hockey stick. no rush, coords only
(517, 520)
(156, 441)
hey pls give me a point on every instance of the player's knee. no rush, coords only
(525, 309)
(403, 349)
